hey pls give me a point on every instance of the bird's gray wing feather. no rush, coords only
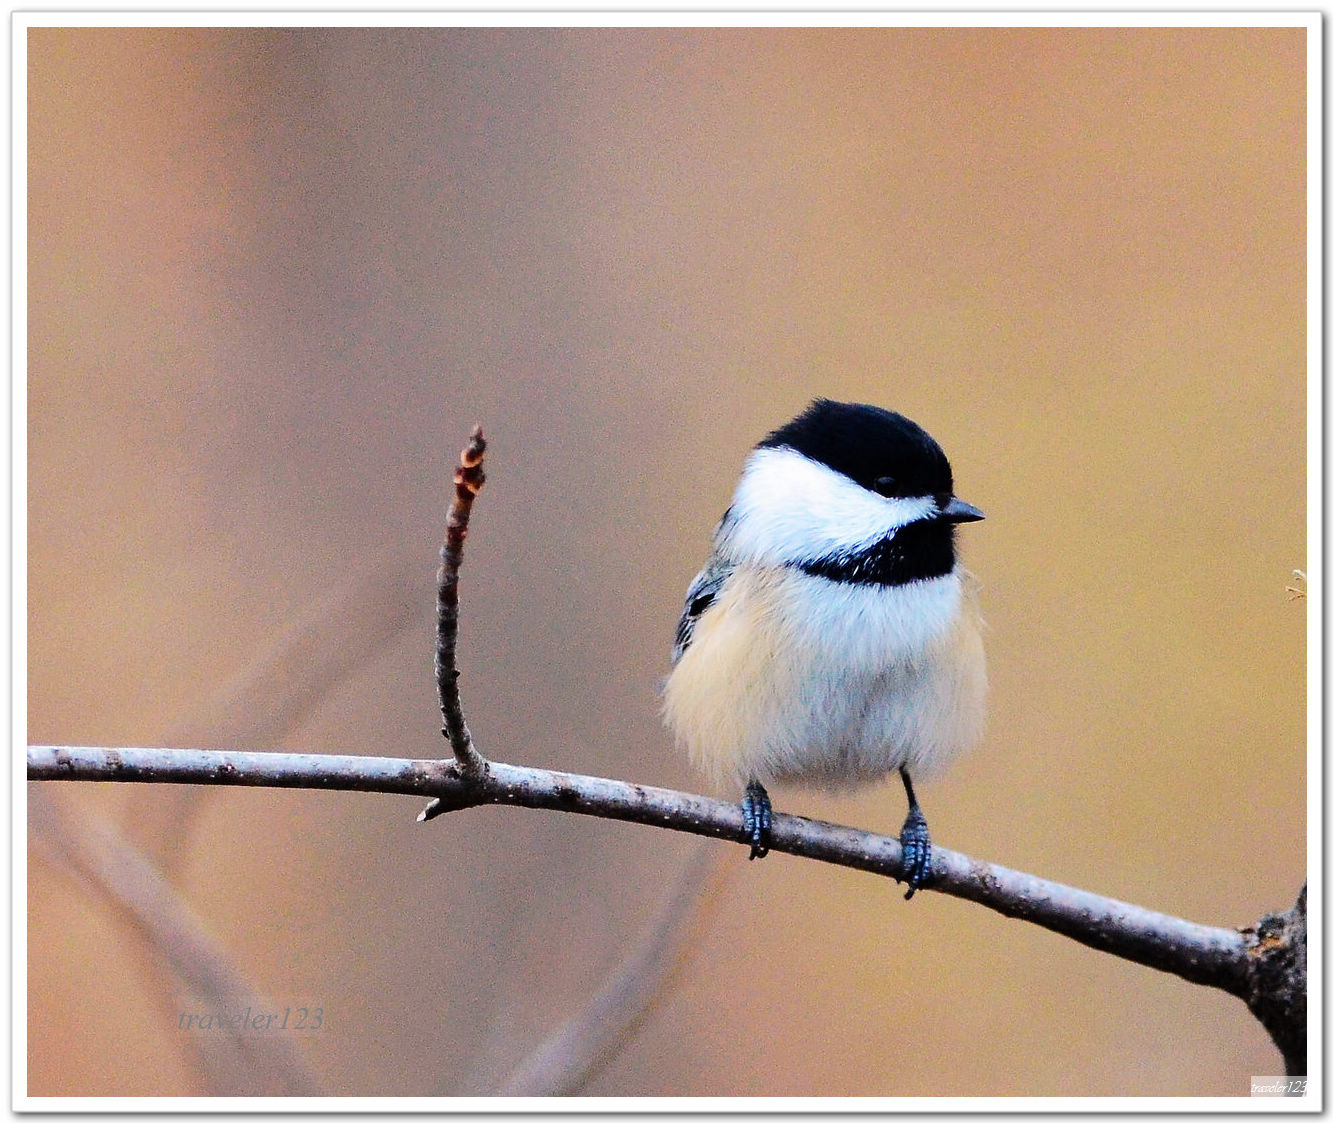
(702, 592)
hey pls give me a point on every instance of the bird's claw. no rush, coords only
(757, 816)
(915, 841)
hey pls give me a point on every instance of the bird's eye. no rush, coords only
(887, 486)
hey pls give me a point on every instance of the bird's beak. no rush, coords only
(956, 511)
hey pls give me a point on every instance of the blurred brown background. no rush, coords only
(274, 277)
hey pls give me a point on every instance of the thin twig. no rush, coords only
(468, 478)
(1202, 954)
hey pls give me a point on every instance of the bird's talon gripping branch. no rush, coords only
(915, 841)
(757, 815)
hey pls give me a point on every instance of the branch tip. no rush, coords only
(475, 451)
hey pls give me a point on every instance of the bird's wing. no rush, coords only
(703, 589)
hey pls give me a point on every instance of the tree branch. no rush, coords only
(1211, 956)
(468, 478)
(1277, 981)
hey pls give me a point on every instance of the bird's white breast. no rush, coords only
(794, 677)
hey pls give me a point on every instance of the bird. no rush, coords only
(833, 637)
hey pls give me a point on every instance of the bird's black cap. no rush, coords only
(869, 445)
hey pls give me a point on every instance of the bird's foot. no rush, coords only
(915, 840)
(757, 815)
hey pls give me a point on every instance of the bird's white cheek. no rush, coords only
(788, 509)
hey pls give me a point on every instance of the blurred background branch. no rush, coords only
(326, 643)
(233, 1062)
(563, 1062)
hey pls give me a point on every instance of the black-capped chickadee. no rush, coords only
(832, 637)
